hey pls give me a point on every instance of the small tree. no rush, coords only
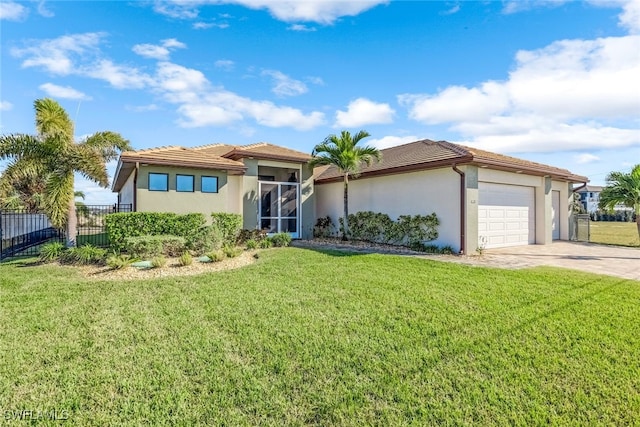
(53, 156)
(623, 188)
(342, 152)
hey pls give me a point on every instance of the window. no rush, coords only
(209, 184)
(158, 181)
(184, 183)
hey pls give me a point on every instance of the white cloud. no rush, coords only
(5, 106)
(12, 11)
(118, 76)
(301, 27)
(57, 55)
(197, 102)
(224, 64)
(159, 52)
(363, 111)
(514, 6)
(177, 9)
(142, 108)
(586, 158)
(452, 10)
(284, 85)
(320, 11)
(43, 11)
(569, 95)
(392, 141)
(315, 80)
(63, 92)
(630, 16)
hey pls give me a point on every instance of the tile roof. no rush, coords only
(180, 156)
(264, 150)
(427, 154)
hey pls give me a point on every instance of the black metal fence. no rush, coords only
(22, 233)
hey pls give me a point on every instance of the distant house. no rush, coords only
(483, 199)
(590, 198)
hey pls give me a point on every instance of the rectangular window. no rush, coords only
(158, 181)
(184, 183)
(209, 184)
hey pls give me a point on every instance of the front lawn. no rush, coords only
(614, 233)
(322, 338)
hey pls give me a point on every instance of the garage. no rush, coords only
(506, 215)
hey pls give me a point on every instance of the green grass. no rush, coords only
(614, 233)
(97, 239)
(304, 337)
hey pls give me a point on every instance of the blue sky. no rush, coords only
(556, 81)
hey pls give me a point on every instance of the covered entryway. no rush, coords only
(279, 208)
(506, 215)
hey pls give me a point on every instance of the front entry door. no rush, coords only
(279, 207)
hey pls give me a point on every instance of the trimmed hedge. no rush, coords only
(229, 225)
(408, 230)
(132, 224)
(152, 246)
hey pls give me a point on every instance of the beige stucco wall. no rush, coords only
(225, 200)
(411, 193)
(127, 190)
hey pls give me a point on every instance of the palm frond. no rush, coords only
(57, 197)
(89, 163)
(51, 119)
(622, 188)
(18, 145)
(108, 144)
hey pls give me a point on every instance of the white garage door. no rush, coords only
(506, 215)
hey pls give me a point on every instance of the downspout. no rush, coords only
(135, 188)
(463, 202)
(579, 188)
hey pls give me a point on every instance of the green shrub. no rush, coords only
(281, 239)
(51, 251)
(216, 256)
(150, 246)
(158, 261)
(229, 225)
(132, 224)
(245, 235)
(185, 259)
(84, 255)
(206, 239)
(324, 227)
(265, 243)
(231, 251)
(120, 261)
(408, 230)
(251, 244)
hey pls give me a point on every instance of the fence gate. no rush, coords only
(22, 233)
(581, 228)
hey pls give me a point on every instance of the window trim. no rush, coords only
(166, 176)
(193, 183)
(202, 186)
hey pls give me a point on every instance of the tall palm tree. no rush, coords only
(623, 188)
(53, 155)
(342, 152)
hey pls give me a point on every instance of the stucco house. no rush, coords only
(483, 199)
(269, 185)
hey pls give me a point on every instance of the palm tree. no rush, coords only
(623, 188)
(53, 155)
(342, 152)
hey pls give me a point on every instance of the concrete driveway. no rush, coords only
(600, 259)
